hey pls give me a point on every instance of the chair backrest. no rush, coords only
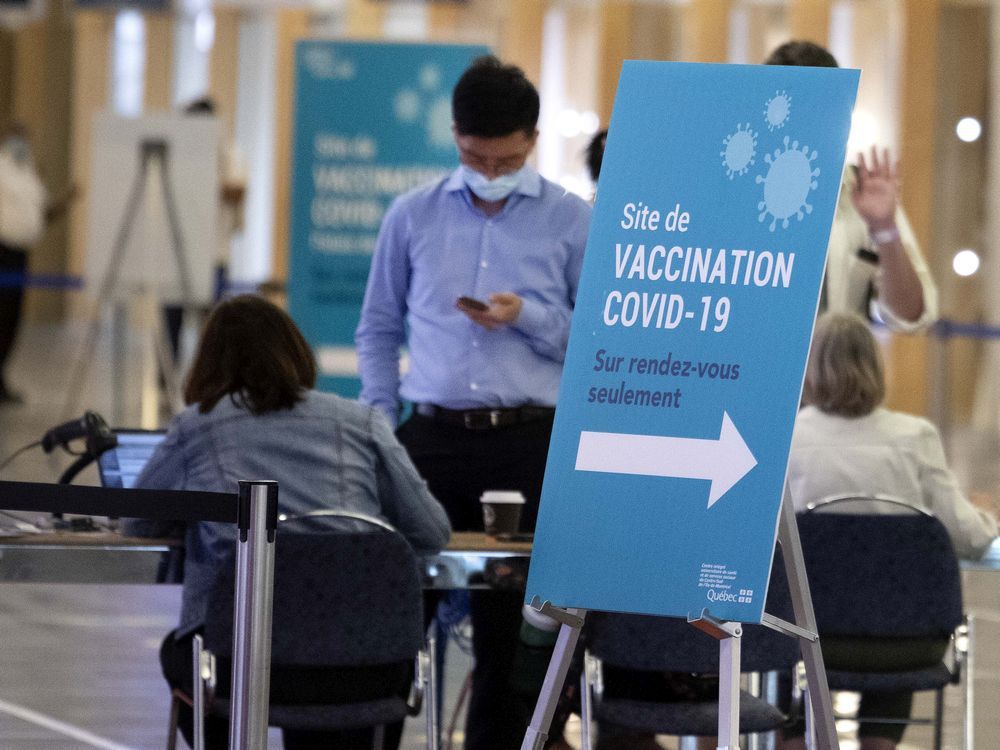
(341, 598)
(673, 645)
(881, 575)
(868, 504)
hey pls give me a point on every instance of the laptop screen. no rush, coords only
(121, 466)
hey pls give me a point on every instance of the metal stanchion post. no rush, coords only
(198, 693)
(430, 693)
(969, 685)
(257, 521)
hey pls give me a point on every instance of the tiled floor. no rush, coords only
(78, 664)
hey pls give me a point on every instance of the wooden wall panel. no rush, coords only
(908, 356)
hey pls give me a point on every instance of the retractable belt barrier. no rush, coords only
(255, 511)
(161, 505)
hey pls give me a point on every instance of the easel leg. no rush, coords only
(163, 354)
(174, 222)
(587, 678)
(729, 693)
(119, 358)
(555, 678)
(728, 634)
(104, 295)
(819, 691)
(154, 155)
(149, 413)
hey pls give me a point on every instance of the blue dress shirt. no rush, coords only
(434, 246)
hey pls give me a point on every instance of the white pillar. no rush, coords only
(251, 260)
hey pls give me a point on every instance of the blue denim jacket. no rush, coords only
(326, 452)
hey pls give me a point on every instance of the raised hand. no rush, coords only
(874, 194)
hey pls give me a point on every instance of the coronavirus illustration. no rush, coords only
(789, 180)
(777, 110)
(740, 150)
(427, 104)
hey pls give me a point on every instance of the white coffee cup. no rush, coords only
(501, 511)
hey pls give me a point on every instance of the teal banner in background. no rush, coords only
(689, 339)
(371, 121)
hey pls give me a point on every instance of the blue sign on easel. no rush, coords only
(690, 334)
(372, 120)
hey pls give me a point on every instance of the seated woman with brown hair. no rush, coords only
(253, 413)
(847, 443)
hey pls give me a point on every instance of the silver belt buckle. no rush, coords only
(481, 420)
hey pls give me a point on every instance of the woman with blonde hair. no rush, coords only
(847, 443)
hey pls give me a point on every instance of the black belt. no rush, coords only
(484, 419)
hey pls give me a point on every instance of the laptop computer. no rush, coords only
(121, 465)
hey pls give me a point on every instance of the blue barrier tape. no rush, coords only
(61, 281)
(233, 288)
(947, 329)
(41, 280)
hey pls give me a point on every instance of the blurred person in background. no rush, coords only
(25, 212)
(873, 254)
(594, 156)
(232, 194)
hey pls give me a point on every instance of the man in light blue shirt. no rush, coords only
(477, 274)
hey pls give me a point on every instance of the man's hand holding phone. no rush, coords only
(503, 309)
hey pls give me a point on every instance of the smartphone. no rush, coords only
(472, 303)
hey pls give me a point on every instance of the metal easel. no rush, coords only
(821, 731)
(153, 160)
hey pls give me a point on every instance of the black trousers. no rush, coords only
(13, 262)
(459, 465)
(303, 686)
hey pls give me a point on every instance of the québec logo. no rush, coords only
(744, 597)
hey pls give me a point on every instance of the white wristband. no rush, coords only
(886, 236)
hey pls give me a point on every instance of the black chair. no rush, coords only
(660, 644)
(350, 600)
(885, 576)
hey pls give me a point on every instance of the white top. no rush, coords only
(883, 453)
(848, 277)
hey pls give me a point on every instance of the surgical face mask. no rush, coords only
(18, 149)
(492, 190)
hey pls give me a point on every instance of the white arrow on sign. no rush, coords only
(724, 461)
